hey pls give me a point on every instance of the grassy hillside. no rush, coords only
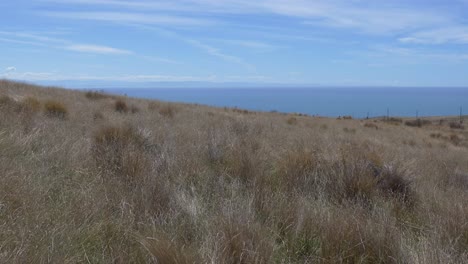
(93, 178)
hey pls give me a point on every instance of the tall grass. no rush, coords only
(181, 183)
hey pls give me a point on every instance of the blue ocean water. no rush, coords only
(333, 102)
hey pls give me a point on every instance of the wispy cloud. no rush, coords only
(56, 43)
(219, 54)
(417, 55)
(249, 44)
(10, 69)
(96, 49)
(55, 76)
(384, 18)
(62, 44)
(457, 35)
(128, 17)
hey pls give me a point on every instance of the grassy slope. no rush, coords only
(181, 183)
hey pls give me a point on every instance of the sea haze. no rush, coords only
(333, 102)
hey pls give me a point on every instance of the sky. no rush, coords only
(226, 42)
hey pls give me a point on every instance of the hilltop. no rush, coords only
(99, 178)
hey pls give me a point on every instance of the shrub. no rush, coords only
(393, 120)
(456, 125)
(119, 152)
(349, 130)
(98, 116)
(395, 182)
(417, 123)
(455, 139)
(134, 109)
(5, 100)
(242, 111)
(371, 125)
(121, 106)
(291, 121)
(152, 106)
(167, 110)
(95, 95)
(31, 104)
(55, 109)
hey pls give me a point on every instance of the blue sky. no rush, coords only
(294, 42)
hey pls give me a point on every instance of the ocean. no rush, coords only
(332, 102)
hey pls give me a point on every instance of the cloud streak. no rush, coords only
(97, 49)
(457, 35)
(381, 19)
(55, 76)
(129, 17)
(219, 54)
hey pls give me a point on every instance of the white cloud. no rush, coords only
(96, 49)
(219, 54)
(127, 17)
(54, 76)
(380, 18)
(457, 34)
(250, 44)
(10, 69)
(55, 43)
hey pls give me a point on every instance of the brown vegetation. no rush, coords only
(55, 109)
(417, 123)
(121, 106)
(195, 184)
(96, 95)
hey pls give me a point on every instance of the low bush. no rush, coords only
(349, 130)
(417, 123)
(134, 109)
(371, 125)
(456, 125)
(291, 121)
(167, 110)
(119, 152)
(242, 111)
(55, 109)
(153, 106)
(96, 95)
(395, 182)
(455, 139)
(121, 106)
(98, 116)
(31, 104)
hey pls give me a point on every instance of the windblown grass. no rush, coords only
(176, 183)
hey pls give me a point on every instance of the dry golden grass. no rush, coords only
(55, 109)
(177, 183)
